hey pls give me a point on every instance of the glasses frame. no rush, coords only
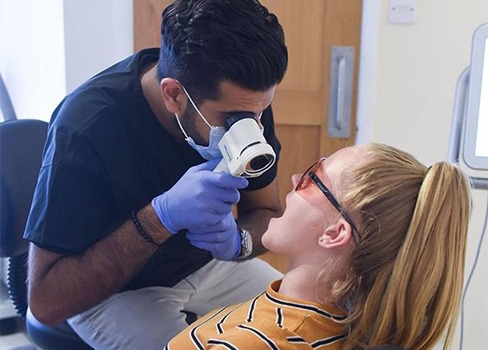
(311, 173)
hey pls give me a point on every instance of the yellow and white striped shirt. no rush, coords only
(269, 321)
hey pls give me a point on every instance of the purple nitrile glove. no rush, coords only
(201, 198)
(222, 240)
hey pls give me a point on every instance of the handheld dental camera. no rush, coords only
(244, 149)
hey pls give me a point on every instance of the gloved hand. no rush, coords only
(222, 240)
(200, 199)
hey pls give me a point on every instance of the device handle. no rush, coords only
(221, 167)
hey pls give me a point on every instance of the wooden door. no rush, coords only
(301, 105)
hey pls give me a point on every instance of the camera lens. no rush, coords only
(260, 162)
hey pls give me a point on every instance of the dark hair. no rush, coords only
(204, 42)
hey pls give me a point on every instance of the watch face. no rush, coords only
(246, 243)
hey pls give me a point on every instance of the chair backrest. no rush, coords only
(6, 106)
(21, 145)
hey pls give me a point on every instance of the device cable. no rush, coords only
(473, 268)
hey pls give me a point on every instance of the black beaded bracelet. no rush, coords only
(140, 229)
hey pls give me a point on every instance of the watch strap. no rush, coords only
(246, 244)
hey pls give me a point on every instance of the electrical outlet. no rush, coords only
(401, 11)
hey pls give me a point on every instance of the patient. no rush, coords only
(376, 243)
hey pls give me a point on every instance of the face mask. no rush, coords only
(211, 151)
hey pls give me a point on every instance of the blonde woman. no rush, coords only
(376, 243)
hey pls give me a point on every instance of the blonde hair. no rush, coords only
(406, 274)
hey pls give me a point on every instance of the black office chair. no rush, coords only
(21, 145)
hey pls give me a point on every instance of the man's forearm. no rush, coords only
(63, 286)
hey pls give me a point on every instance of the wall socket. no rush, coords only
(401, 11)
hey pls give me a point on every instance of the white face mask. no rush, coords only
(211, 151)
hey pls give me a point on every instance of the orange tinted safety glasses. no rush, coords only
(311, 176)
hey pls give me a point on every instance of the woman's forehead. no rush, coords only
(334, 165)
(330, 173)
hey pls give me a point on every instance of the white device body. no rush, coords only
(244, 150)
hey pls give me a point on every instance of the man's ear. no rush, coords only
(337, 235)
(173, 95)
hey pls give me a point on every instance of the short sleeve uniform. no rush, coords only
(106, 154)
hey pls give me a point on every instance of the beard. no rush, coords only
(188, 122)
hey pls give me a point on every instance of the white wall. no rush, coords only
(31, 55)
(97, 34)
(48, 48)
(408, 76)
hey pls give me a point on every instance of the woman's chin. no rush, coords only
(268, 237)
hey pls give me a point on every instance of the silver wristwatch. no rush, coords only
(246, 243)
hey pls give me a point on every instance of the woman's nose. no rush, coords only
(295, 178)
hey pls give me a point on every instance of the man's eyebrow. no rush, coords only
(229, 113)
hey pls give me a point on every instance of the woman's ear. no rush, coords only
(173, 95)
(337, 235)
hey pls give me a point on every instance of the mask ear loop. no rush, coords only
(196, 108)
(181, 127)
(258, 120)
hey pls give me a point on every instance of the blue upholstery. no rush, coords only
(49, 338)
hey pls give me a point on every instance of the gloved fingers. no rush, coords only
(224, 180)
(210, 187)
(201, 211)
(222, 239)
(213, 236)
(208, 165)
(207, 237)
(206, 226)
(200, 199)
(212, 245)
(226, 224)
(221, 195)
(222, 251)
(212, 209)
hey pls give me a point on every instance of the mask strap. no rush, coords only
(260, 115)
(181, 127)
(196, 108)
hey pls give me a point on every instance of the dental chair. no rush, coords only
(21, 145)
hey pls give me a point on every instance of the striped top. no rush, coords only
(269, 321)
